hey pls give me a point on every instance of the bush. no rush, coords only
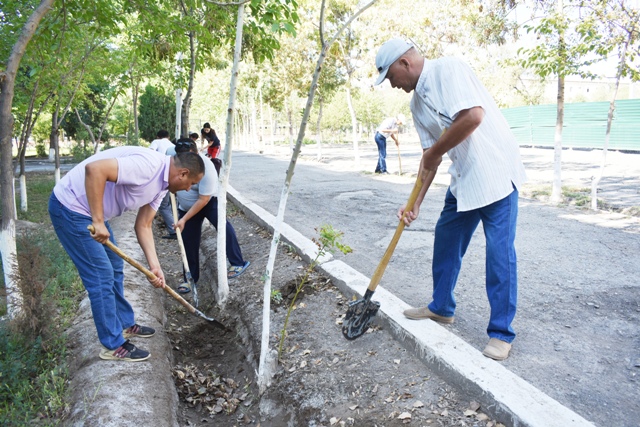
(41, 151)
(81, 151)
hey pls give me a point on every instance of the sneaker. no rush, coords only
(138, 331)
(172, 236)
(497, 349)
(424, 313)
(126, 352)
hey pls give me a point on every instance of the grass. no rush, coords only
(33, 346)
(39, 187)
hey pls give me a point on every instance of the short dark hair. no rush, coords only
(163, 133)
(206, 125)
(193, 135)
(191, 161)
(185, 145)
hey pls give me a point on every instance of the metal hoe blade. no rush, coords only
(359, 316)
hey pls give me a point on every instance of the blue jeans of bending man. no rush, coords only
(100, 269)
(381, 142)
(452, 236)
(192, 235)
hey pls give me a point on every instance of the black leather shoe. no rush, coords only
(173, 236)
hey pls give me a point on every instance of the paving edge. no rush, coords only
(501, 393)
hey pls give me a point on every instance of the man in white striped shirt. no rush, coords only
(486, 172)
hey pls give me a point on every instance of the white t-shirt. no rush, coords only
(487, 164)
(161, 145)
(208, 186)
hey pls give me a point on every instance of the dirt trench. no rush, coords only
(321, 379)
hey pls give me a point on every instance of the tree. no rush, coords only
(569, 44)
(622, 26)
(7, 83)
(157, 111)
(263, 372)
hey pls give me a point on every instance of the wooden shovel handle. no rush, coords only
(174, 208)
(146, 271)
(377, 275)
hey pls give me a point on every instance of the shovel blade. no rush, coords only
(359, 317)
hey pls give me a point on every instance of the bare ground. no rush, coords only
(321, 380)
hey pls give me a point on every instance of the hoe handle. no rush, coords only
(377, 275)
(144, 270)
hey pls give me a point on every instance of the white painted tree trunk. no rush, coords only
(556, 190)
(595, 181)
(23, 193)
(9, 257)
(254, 123)
(13, 194)
(221, 247)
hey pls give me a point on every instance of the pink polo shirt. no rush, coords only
(143, 178)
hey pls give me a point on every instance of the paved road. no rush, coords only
(579, 307)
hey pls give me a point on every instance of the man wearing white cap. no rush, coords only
(486, 172)
(388, 128)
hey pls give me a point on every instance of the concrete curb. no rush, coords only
(501, 393)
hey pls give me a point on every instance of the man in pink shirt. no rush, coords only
(103, 187)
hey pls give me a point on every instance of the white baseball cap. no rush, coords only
(388, 54)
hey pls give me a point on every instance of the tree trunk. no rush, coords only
(263, 372)
(186, 101)
(54, 140)
(290, 118)
(318, 129)
(354, 125)
(7, 225)
(134, 105)
(612, 107)
(556, 191)
(221, 247)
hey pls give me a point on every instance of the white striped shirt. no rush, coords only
(487, 164)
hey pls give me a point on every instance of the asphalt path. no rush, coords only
(578, 319)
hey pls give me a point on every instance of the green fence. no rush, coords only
(585, 125)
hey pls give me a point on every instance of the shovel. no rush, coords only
(152, 276)
(187, 272)
(361, 312)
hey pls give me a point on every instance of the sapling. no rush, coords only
(329, 240)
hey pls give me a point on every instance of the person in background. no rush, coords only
(161, 145)
(196, 204)
(209, 136)
(213, 145)
(162, 142)
(455, 115)
(98, 189)
(388, 128)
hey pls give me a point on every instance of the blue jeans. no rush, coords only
(452, 236)
(166, 212)
(192, 235)
(381, 142)
(100, 269)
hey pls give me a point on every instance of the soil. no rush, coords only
(321, 378)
